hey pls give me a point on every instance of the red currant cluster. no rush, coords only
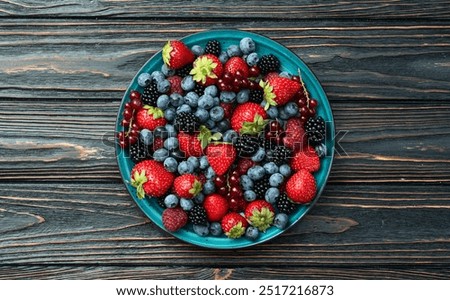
(238, 81)
(274, 133)
(306, 105)
(130, 134)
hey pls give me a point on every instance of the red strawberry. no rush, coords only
(306, 160)
(220, 157)
(271, 75)
(193, 145)
(215, 206)
(207, 69)
(248, 118)
(234, 225)
(260, 214)
(295, 136)
(149, 177)
(150, 117)
(175, 85)
(301, 187)
(174, 218)
(187, 186)
(235, 64)
(244, 164)
(279, 90)
(176, 54)
(158, 143)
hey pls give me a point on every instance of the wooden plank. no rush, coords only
(351, 226)
(196, 273)
(219, 9)
(50, 140)
(96, 59)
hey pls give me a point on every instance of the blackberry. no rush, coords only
(315, 130)
(197, 215)
(184, 71)
(212, 47)
(160, 201)
(256, 96)
(187, 122)
(246, 145)
(139, 152)
(268, 63)
(280, 155)
(261, 186)
(199, 89)
(150, 94)
(284, 205)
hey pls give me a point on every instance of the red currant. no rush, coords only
(296, 78)
(227, 78)
(136, 103)
(313, 103)
(220, 181)
(253, 71)
(135, 95)
(127, 114)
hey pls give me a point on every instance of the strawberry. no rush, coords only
(175, 85)
(158, 143)
(193, 145)
(271, 75)
(174, 218)
(150, 117)
(150, 178)
(301, 187)
(235, 64)
(220, 157)
(176, 54)
(234, 225)
(187, 186)
(248, 118)
(306, 160)
(215, 206)
(279, 90)
(260, 214)
(295, 136)
(207, 69)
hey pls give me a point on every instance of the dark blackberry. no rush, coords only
(261, 186)
(212, 47)
(268, 63)
(139, 152)
(187, 122)
(315, 130)
(284, 205)
(197, 215)
(199, 89)
(256, 96)
(150, 94)
(280, 155)
(160, 201)
(246, 145)
(184, 71)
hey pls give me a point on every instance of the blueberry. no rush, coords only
(223, 57)
(272, 112)
(243, 96)
(321, 150)
(157, 76)
(272, 194)
(177, 154)
(247, 45)
(171, 143)
(197, 50)
(252, 59)
(171, 164)
(210, 124)
(251, 233)
(146, 137)
(163, 86)
(202, 114)
(161, 132)
(186, 204)
(230, 135)
(256, 172)
(171, 132)
(160, 154)
(223, 125)
(203, 162)
(216, 113)
(191, 98)
(216, 101)
(285, 74)
(194, 161)
(227, 97)
(187, 83)
(201, 230)
(199, 198)
(246, 182)
(271, 167)
(163, 102)
(185, 168)
(234, 50)
(144, 79)
(167, 71)
(184, 108)
(176, 99)
(170, 114)
(285, 170)
(171, 200)
(206, 102)
(259, 155)
(209, 173)
(282, 114)
(276, 179)
(211, 90)
(280, 220)
(249, 195)
(215, 228)
(291, 109)
(209, 187)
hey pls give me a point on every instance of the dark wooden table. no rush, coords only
(65, 213)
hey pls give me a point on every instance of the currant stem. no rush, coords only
(305, 91)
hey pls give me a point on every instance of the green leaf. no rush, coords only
(203, 69)
(166, 50)
(269, 95)
(255, 127)
(155, 112)
(138, 181)
(196, 188)
(236, 232)
(262, 219)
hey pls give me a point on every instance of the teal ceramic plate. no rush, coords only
(290, 63)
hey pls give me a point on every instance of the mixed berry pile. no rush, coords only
(222, 139)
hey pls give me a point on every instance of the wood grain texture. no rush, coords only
(220, 9)
(351, 226)
(96, 59)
